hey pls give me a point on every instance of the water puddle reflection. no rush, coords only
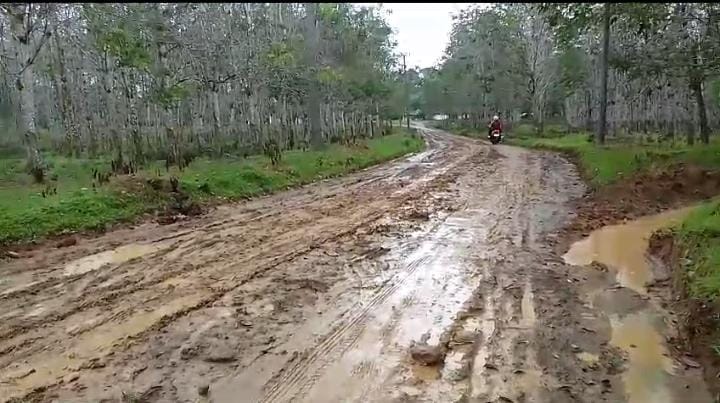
(650, 374)
(649, 366)
(115, 256)
(528, 307)
(95, 344)
(622, 248)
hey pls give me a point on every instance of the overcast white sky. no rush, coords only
(422, 30)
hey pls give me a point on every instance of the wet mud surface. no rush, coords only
(435, 278)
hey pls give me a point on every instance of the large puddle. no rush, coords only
(622, 248)
(649, 371)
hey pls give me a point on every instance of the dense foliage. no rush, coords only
(146, 81)
(546, 61)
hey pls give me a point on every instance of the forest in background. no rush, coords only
(88, 91)
(640, 79)
(110, 111)
(145, 82)
(617, 69)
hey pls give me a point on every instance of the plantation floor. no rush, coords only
(435, 278)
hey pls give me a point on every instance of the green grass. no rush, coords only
(607, 164)
(699, 234)
(25, 215)
(699, 237)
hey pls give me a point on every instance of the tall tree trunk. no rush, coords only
(696, 88)
(65, 105)
(602, 124)
(25, 83)
(312, 36)
(588, 103)
(216, 111)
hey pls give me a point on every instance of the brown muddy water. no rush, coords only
(650, 374)
(114, 256)
(622, 248)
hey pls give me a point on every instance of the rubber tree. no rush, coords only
(675, 42)
(312, 45)
(29, 30)
(225, 77)
(571, 21)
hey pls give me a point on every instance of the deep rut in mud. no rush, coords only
(339, 291)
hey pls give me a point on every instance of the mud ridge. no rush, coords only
(698, 323)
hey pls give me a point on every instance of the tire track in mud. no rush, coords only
(503, 361)
(266, 208)
(498, 370)
(302, 375)
(211, 297)
(163, 253)
(295, 382)
(475, 269)
(123, 290)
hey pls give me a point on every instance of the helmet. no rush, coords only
(496, 117)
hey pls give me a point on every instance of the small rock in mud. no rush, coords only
(427, 355)
(460, 373)
(94, 363)
(220, 355)
(419, 215)
(67, 242)
(188, 352)
(71, 378)
(203, 390)
(689, 362)
(465, 337)
(12, 255)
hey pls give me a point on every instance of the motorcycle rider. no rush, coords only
(495, 124)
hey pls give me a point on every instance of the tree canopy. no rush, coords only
(142, 80)
(546, 61)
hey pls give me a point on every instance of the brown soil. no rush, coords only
(698, 319)
(319, 294)
(644, 194)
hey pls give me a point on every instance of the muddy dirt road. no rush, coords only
(433, 278)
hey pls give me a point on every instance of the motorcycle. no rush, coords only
(496, 136)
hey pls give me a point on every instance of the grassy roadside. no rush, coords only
(26, 215)
(699, 239)
(699, 234)
(610, 163)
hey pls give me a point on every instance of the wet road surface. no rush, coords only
(331, 292)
